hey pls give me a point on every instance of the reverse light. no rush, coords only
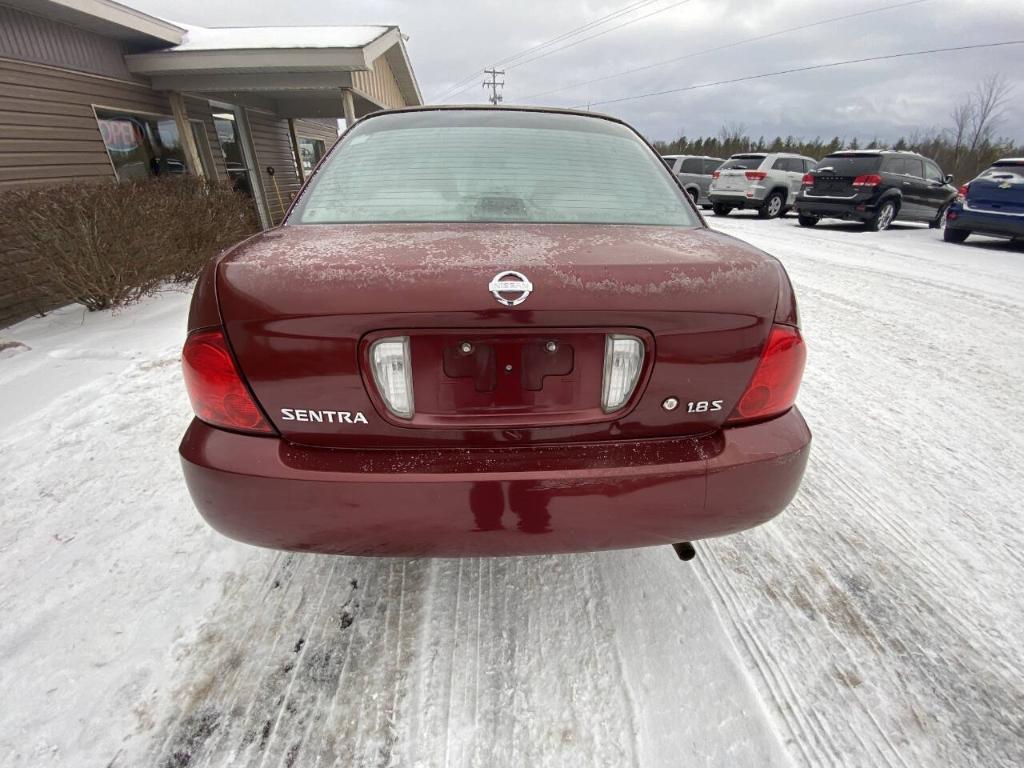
(218, 394)
(756, 175)
(867, 180)
(623, 359)
(391, 364)
(772, 390)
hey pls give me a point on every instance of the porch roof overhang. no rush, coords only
(292, 71)
(106, 17)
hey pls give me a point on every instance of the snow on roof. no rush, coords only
(245, 38)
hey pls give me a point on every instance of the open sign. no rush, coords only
(121, 134)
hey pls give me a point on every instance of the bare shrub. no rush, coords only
(105, 245)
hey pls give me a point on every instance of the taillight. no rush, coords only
(623, 359)
(392, 372)
(219, 396)
(715, 174)
(756, 175)
(773, 388)
(808, 179)
(962, 194)
(867, 180)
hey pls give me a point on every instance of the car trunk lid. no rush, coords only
(835, 176)
(999, 190)
(732, 176)
(302, 304)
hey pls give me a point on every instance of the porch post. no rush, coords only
(188, 141)
(350, 107)
(295, 149)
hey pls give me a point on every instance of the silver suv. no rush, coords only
(694, 174)
(767, 181)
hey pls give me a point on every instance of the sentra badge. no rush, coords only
(322, 417)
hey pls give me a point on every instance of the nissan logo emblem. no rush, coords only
(510, 288)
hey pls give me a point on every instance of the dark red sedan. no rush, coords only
(492, 331)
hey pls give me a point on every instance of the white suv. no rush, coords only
(767, 181)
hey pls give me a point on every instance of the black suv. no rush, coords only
(876, 187)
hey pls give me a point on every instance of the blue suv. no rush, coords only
(992, 204)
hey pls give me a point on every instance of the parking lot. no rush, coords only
(877, 622)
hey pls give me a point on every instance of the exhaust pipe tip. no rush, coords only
(684, 550)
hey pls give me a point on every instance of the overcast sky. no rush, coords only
(451, 39)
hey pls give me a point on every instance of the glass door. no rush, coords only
(232, 135)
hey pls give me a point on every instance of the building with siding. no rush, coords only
(94, 91)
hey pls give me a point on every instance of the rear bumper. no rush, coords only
(510, 501)
(740, 199)
(835, 209)
(985, 223)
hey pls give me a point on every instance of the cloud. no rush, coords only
(455, 39)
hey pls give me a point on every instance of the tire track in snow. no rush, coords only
(265, 670)
(541, 668)
(545, 661)
(885, 596)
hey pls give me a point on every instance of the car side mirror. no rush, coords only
(949, 178)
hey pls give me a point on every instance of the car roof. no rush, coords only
(687, 157)
(770, 154)
(499, 108)
(1010, 160)
(873, 152)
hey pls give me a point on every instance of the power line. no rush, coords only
(599, 34)
(570, 33)
(583, 28)
(558, 38)
(724, 47)
(582, 40)
(804, 69)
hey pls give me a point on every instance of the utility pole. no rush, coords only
(494, 84)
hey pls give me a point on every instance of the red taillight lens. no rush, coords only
(773, 388)
(715, 174)
(868, 180)
(962, 194)
(219, 397)
(808, 178)
(756, 175)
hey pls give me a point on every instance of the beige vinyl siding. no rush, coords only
(26, 37)
(379, 84)
(48, 126)
(273, 144)
(326, 130)
(49, 135)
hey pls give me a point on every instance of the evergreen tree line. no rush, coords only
(964, 149)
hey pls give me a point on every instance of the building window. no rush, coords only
(231, 148)
(141, 145)
(311, 150)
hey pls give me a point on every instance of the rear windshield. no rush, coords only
(849, 165)
(1005, 170)
(479, 165)
(743, 163)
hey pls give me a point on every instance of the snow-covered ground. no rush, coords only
(877, 622)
